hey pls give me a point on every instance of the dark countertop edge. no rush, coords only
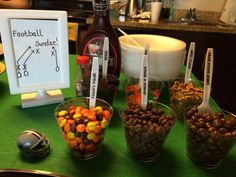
(146, 24)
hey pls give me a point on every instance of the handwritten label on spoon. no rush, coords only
(209, 67)
(93, 83)
(189, 64)
(105, 57)
(144, 78)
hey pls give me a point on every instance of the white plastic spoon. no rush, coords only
(93, 83)
(189, 63)
(208, 71)
(132, 39)
(105, 57)
(144, 78)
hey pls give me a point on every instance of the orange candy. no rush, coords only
(81, 146)
(66, 127)
(78, 140)
(72, 143)
(92, 117)
(106, 114)
(90, 148)
(72, 111)
(98, 129)
(71, 121)
(80, 128)
(78, 109)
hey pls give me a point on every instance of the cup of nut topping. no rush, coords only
(182, 95)
(83, 129)
(210, 136)
(146, 129)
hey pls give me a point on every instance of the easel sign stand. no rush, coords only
(42, 97)
(35, 44)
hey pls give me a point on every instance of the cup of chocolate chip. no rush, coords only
(146, 129)
(210, 136)
(183, 95)
(133, 90)
(107, 87)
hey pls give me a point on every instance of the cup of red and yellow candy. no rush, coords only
(133, 90)
(83, 129)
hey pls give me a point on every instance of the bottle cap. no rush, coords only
(82, 60)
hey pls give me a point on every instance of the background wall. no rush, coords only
(206, 5)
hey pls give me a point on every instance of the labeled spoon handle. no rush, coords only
(93, 83)
(208, 72)
(105, 57)
(190, 60)
(144, 78)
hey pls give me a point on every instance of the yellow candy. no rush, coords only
(98, 108)
(77, 115)
(91, 136)
(70, 135)
(91, 126)
(62, 123)
(62, 113)
(104, 123)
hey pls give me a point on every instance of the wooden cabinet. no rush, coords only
(224, 74)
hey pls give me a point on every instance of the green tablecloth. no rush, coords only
(113, 161)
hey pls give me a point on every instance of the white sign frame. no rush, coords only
(10, 21)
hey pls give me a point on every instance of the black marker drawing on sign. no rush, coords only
(24, 64)
(19, 75)
(54, 53)
(26, 73)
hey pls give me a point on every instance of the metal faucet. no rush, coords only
(191, 14)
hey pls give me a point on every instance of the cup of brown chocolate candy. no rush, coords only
(107, 87)
(182, 95)
(83, 129)
(210, 136)
(146, 129)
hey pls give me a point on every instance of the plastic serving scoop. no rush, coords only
(132, 39)
(93, 83)
(144, 78)
(190, 60)
(208, 71)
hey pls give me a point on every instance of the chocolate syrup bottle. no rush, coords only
(92, 42)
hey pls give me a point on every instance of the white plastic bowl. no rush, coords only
(166, 55)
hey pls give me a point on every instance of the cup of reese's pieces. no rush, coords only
(182, 95)
(146, 129)
(83, 129)
(210, 136)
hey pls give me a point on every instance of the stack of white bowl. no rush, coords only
(166, 55)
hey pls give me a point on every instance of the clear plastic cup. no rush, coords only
(83, 130)
(107, 87)
(209, 136)
(133, 90)
(146, 129)
(183, 95)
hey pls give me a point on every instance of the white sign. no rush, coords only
(35, 45)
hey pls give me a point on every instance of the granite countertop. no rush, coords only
(173, 25)
(209, 23)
